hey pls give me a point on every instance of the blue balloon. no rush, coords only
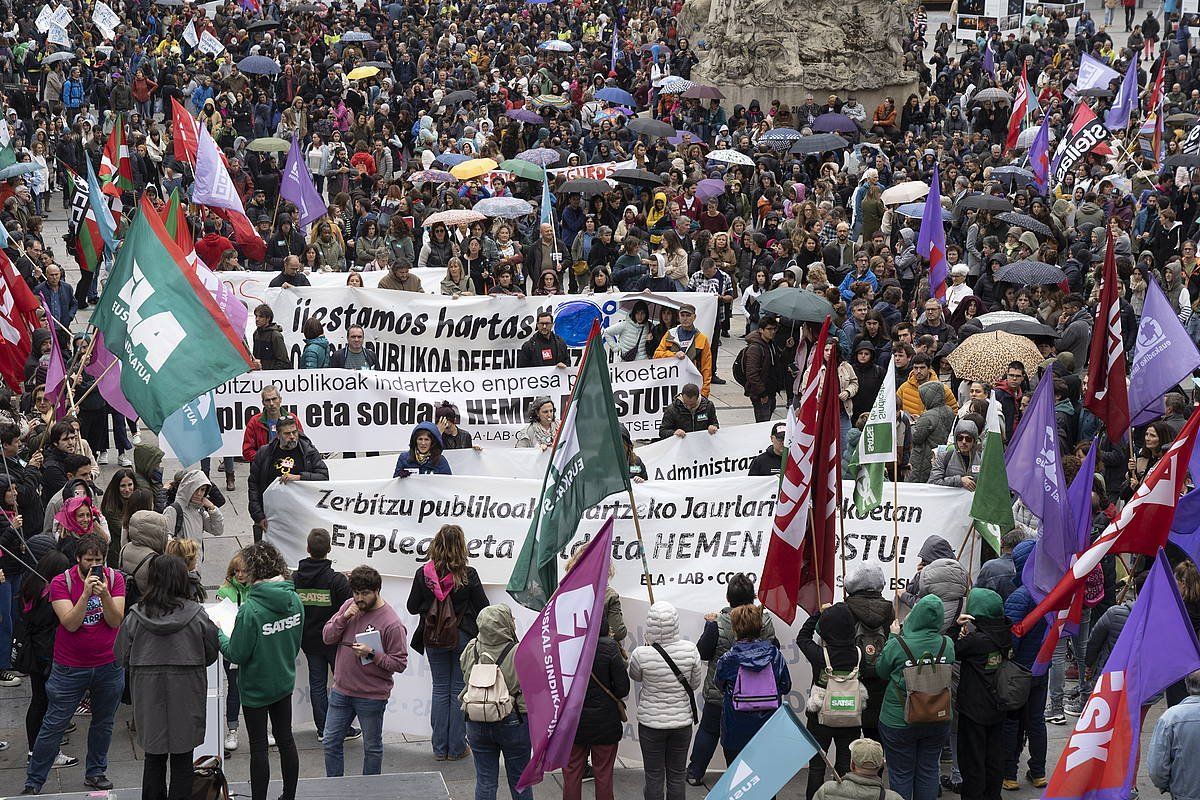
(573, 321)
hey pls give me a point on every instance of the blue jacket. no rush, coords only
(739, 727)
(200, 95)
(72, 93)
(1018, 605)
(61, 301)
(870, 278)
(1172, 764)
(435, 464)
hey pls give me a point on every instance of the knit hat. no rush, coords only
(865, 579)
(866, 754)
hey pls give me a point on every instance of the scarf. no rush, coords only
(440, 586)
(66, 515)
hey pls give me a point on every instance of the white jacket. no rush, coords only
(662, 703)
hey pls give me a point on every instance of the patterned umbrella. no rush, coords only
(455, 216)
(731, 157)
(606, 114)
(432, 176)
(556, 46)
(1031, 273)
(356, 36)
(781, 134)
(551, 100)
(507, 207)
(1016, 323)
(524, 115)
(985, 356)
(675, 85)
(542, 156)
(993, 94)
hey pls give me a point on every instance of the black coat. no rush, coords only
(600, 721)
(29, 493)
(468, 599)
(264, 469)
(680, 417)
(979, 654)
(541, 351)
(322, 590)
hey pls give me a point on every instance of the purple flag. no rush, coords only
(1052, 554)
(1117, 117)
(1100, 759)
(108, 381)
(1039, 156)
(931, 240)
(1185, 525)
(1164, 356)
(989, 60)
(554, 659)
(56, 373)
(297, 187)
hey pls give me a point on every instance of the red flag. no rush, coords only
(17, 321)
(244, 235)
(1142, 527)
(183, 131)
(817, 589)
(1107, 392)
(1020, 109)
(116, 168)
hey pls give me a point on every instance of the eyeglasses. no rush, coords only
(964, 437)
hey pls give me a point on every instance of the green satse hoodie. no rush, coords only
(921, 633)
(266, 639)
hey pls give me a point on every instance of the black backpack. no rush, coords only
(870, 641)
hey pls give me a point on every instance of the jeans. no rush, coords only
(280, 713)
(1109, 14)
(1058, 665)
(342, 710)
(320, 664)
(708, 736)
(65, 689)
(233, 698)
(764, 407)
(1028, 723)
(154, 776)
(912, 755)
(488, 740)
(664, 761)
(449, 726)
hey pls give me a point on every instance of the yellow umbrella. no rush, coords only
(473, 168)
(358, 73)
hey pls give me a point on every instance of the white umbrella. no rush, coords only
(907, 192)
(556, 46)
(731, 157)
(1026, 137)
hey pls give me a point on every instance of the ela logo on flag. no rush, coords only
(159, 334)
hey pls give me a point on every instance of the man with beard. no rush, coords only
(290, 456)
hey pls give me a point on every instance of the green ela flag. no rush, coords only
(173, 343)
(992, 506)
(876, 447)
(587, 465)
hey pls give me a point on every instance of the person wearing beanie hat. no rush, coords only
(959, 466)
(863, 781)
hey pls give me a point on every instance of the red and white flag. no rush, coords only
(1107, 392)
(1020, 109)
(183, 131)
(17, 321)
(116, 168)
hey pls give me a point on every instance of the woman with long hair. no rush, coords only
(165, 644)
(446, 596)
(114, 506)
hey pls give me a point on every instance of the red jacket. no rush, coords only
(210, 248)
(255, 436)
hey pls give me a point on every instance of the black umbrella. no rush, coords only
(1025, 221)
(1095, 91)
(1014, 322)
(985, 202)
(454, 98)
(817, 143)
(586, 186)
(263, 25)
(636, 177)
(1014, 175)
(798, 305)
(383, 65)
(1184, 160)
(1030, 273)
(650, 127)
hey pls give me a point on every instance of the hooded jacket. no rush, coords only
(147, 472)
(1076, 337)
(716, 641)
(322, 591)
(947, 579)
(497, 630)
(662, 703)
(1018, 605)
(739, 727)
(196, 519)
(950, 466)
(269, 348)
(434, 464)
(930, 430)
(266, 638)
(147, 537)
(762, 365)
(872, 612)
(835, 625)
(922, 633)
(980, 652)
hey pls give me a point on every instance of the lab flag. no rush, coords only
(297, 187)
(193, 431)
(116, 168)
(1163, 357)
(991, 506)
(587, 464)
(931, 241)
(1124, 104)
(1100, 760)
(163, 325)
(779, 750)
(553, 660)
(1107, 391)
(876, 447)
(1034, 466)
(1087, 134)
(1191, 142)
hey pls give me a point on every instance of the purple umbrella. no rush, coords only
(432, 176)
(834, 123)
(524, 115)
(708, 188)
(542, 156)
(677, 139)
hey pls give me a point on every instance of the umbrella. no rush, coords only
(431, 176)
(1016, 323)
(1025, 221)
(306, 8)
(507, 207)
(542, 156)
(552, 100)
(917, 211)
(356, 36)
(168, 2)
(798, 305)
(702, 92)
(454, 98)
(383, 65)
(677, 139)
(524, 115)
(1026, 137)
(817, 143)
(18, 169)
(784, 135)
(585, 186)
(675, 85)
(258, 65)
(1094, 91)
(985, 356)
(993, 94)
(907, 192)
(649, 298)
(984, 202)
(269, 144)
(1184, 160)
(612, 94)
(709, 187)
(1181, 119)
(358, 73)
(522, 169)
(607, 114)
(556, 46)
(731, 157)
(54, 58)
(650, 127)
(636, 177)
(1030, 273)
(263, 25)
(834, 123)
(1014, 175)
(455, 216)
(467, 170)
(450, 159)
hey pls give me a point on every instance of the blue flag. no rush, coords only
(1117, 117)
(780, 749)
(104, 217)
(1164, 356)
(1039, 156)
(193, 431)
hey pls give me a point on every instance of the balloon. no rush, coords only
(573, 321)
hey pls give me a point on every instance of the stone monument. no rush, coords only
(784, 49)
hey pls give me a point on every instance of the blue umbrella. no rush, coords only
(612, 94)
(450, 159)
(542, 156)
(259, 65)
(15, 170)
(917, 210)
(556, 46)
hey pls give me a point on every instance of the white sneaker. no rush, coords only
(270, 740)
(9, 678)
(63, 760)
(231, 742)
(124, 461)
(137, 438)
(102, 458)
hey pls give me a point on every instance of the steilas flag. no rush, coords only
(554, 659)
(1142, 527)
(1100, 760)
(1107, 392)
(18, 307)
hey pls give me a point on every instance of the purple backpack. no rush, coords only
(755, 690)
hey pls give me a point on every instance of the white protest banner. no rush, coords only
(210, 44)
(363, 410)
(1094, 74)
(189, 35)
(594, 171)
(61, 16)
(434, 333)
(106, 19)
(210, 9)
(42, 23)
(495, 462)
(58, 35)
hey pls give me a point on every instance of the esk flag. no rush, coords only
(163, 325)
(587, 464)
(554, 659)
(1100, 760)
(1163, 356)
(780, 749)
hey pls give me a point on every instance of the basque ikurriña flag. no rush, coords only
(931, 242)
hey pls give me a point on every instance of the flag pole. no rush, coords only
(637, 528)
(812, 531)
(895, 537)
(92, 388)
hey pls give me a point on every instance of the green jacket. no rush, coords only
(236, 592)
(922, 634)
(266, 639)
(496, 632)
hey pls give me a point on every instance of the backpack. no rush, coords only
(870, 641)
(178, 518)
(441, 624)
(844, 697)
(755, 689)
(1011, 685)
(926, 686)
(487, 698)
(739, 367)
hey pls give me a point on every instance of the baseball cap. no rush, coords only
(866, 753)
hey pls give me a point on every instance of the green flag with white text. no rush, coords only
(876, 447)
(587, 465)
(992, 506)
